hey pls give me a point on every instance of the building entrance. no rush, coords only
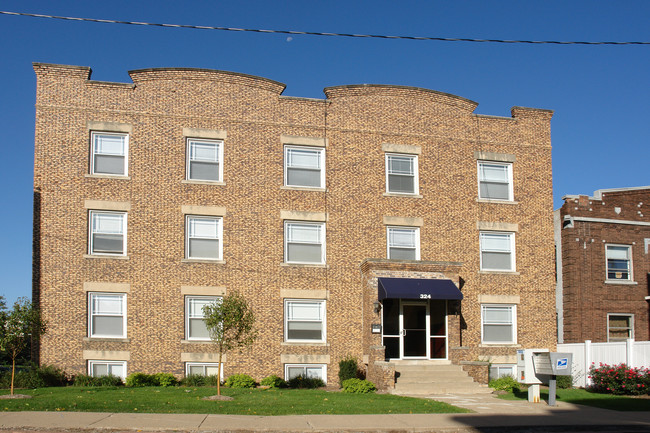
(415, 329)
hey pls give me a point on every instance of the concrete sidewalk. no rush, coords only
(491, 415)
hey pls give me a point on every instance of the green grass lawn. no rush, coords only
(246, 401)
(581, 396)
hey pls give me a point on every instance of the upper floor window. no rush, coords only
(107, 232)
(304, 167)
(304, 242)
(495, 180)
(304, 320)
(109, 153)
(620, 327)
(403, 243)
(195, 328)
(497, 251)
(203, 237)
(107, 315)
(499, 323)
(205, 160)
(401, 173)
(619, 262)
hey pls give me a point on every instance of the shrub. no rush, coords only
(85, 380)
(300, 382)
(505, 383)
(165, 379)
(348, 369)
(359, 386)
(35, 377)
(140, 379)
(619, 379)
(240, 381)
(193, 380)
(564, 382)
(274, 381)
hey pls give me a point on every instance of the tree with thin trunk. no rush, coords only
(230, 324)
(18, 327)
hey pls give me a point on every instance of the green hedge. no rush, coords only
(358, 386)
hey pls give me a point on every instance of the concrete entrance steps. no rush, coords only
(434, 377)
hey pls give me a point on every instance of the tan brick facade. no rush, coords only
(596, 285)
(356, 126)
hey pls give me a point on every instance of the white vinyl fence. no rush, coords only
(629, 352)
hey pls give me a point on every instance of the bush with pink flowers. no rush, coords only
(619, 379)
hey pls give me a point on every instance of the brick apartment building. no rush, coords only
(602, 265)
(385, 222)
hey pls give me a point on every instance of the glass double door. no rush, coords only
(415, 329)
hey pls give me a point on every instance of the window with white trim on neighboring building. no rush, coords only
(107, 315)
(620, 327)
(109, 153)
(403, 242)
(304, 320)
(498, 324)
(495, 180)
(619, 262)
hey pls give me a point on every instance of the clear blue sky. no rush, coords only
(600, 94)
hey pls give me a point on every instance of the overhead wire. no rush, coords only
(349, 35)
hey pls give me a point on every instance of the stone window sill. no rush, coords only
(106, 256)
(107, 339)
(498, 345)
(622, 282)
(304, 343)
(214, 262)
(107, 176)
(487, 200)
(499, 272)
(203, 182)
(396, 194)
(196, 342)
(305, 265)
(303, 188)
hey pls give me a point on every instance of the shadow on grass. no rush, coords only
(593, 399)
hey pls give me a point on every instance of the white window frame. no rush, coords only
(322, 243)
(323, 368)
(513, 308)
(93, 135)
(499, 367)
(219, 238)
(630, 276)
(416, 247)
(321, 158)
(513, 260)
(91, 232)
(630, 328)
(508, 166)
(323, 314)
(189, 159)
(415, 174)
(109, 364)
(188, 299)
(91, 314)
(204, 365)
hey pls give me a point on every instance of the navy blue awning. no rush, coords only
(417, 288)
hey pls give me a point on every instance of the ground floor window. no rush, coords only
(107, 368)
(502, 370)
(202, 369)
(305, 370)
(620, 327)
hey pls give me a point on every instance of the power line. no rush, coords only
(349, 35)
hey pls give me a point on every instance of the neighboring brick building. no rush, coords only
(328, 215)
(602, 265)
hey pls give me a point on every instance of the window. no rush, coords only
(202, 369)
(107, 315)
(204, 160)
(619, 262)
(304, 320)
(304, 242)
(195, 328)
(502, 370)
(305, 370)
(403, 243)
(203, 237)
(107, 232)
(499, 324)
(620, 327)
(401, 173)
(109, 153)
(497, 251)
(107, 368)
(495, 181)
(304, 167)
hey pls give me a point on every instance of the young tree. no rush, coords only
(230, 324)
(17, 327)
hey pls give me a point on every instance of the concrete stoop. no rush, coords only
(434, 377)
